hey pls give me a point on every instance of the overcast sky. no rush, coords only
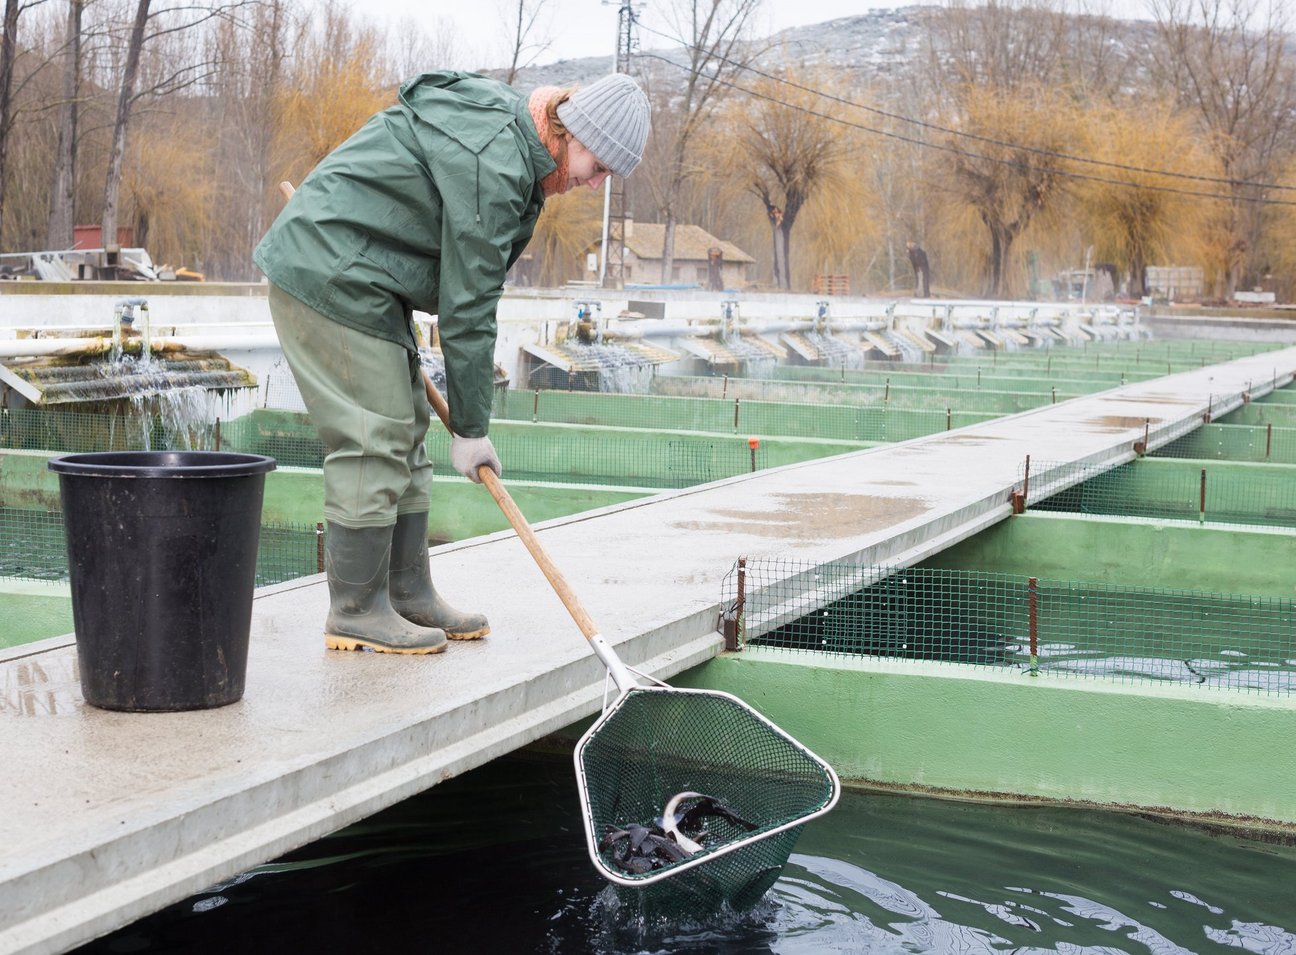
(588, 27)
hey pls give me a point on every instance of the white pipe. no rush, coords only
(607, 211)
(41, 347)
(656, 328)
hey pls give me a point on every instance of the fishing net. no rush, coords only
(653, 743)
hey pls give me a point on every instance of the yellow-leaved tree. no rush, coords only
(787, 149)
(169, 192)
(1137, 216)
(337, 81)
(569, 227)
(1281, 271)
(1006, 176)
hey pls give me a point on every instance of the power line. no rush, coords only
(973, 136)
(1016, 164)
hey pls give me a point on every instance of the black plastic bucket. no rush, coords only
(162, 550)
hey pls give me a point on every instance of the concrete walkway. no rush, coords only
(110, 816)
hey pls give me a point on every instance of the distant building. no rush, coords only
(91, 237)
(700, 258)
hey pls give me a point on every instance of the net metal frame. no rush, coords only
(777, 776)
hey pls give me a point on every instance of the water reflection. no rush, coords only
(495, 862)
(46, 686)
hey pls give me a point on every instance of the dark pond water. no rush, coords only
(495, 862)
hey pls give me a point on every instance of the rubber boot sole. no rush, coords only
(333, 642)
(468, 635)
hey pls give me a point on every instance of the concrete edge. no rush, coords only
(210, 859)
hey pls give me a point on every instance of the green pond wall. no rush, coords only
(33, 611)
(879, 422)
(1235, 442)
(1171, 488)
(296, 496)
(977, 732)
(972, 378)
(1261, 413)
(1132, 552)
(983, 401)
(587, 452)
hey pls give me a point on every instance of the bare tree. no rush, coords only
(1002, 88)
(1230, 62)
(243, 99)
(149, 25)
(62, 215)
(715, 54)
(414, 51)
(788, 150)
(9, 53)
(1000, 44)
(1013, 177)
(528, 34)
(125, 100)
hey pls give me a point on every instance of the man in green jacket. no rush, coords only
(426, 207)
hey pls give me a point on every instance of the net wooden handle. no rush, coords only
(519, 523)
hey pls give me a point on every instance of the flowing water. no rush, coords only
(495, 861)
(834, 352)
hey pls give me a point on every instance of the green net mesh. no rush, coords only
(33, 546)
(1020, 624)
(654, 743)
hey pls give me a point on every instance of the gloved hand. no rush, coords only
(468, 454)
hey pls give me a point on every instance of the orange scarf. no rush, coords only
(556, 182)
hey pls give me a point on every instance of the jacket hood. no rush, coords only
(469, 108)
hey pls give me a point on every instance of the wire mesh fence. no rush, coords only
(1065, 628)
(137, 429)
(1163, 489)
(725, 415)
(926, 396)
(653, 458)
(33, 546)
(985, 375)
(1234, 442)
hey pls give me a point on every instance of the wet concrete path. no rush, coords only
(109, 816)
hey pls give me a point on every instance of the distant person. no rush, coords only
(922, 271)
(715, 269)
(425, 207)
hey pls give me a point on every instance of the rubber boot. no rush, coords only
(360, 612)
(411, 589)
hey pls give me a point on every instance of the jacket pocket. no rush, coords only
(416, 275)
(345, 263)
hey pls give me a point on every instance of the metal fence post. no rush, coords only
(1033, 613)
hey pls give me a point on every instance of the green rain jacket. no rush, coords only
(425, 207)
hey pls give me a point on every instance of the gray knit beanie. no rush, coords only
(610, 119)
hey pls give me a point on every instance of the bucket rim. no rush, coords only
(162, 464)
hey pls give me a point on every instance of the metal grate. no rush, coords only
(1011, 622)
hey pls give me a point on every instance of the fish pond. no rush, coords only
(495, 861)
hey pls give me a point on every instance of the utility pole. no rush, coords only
(614, 206)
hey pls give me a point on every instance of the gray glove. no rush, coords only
(468, 454)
